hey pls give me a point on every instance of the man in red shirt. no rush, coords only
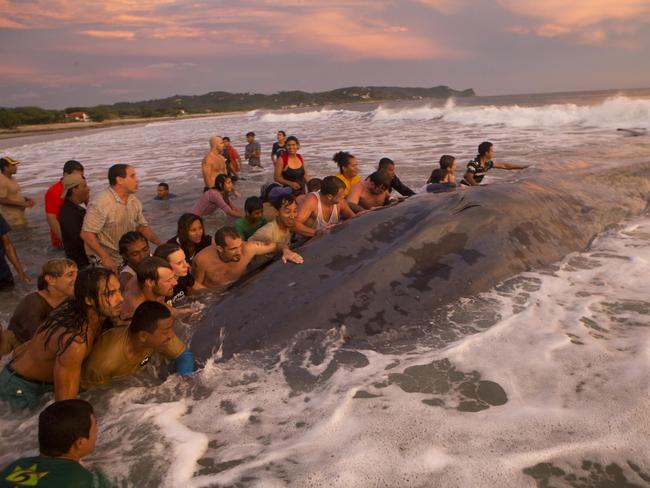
(53, 202)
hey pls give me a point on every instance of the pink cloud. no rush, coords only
(586, 21)
(109, 34)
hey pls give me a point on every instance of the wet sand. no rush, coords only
(33, 134)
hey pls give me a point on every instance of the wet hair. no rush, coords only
(251, 133)
(314, 184)
(384, 163)
(185, 221)
(292, 138)
(220, 181)
(72, 315)
(283, 201)
(446, 162)
(147, 315)
(61, 424)
(115, 171)
(380, 179)
(164, 185)
(253, 203)
(148, 269)
(342, 159)
(164, 250)
(71, 166)
(225, 138)
(331, 185)
(130, 237)
(436, 176)
(54, 267)
(222, 233)
(483, 148)
(282, 132)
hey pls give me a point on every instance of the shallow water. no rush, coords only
(543, 381)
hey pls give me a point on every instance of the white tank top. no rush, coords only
(320, 221)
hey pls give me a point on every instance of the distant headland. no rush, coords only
(216, 102)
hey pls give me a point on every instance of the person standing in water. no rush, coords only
(12, 201)
(478, 167)
(213, 164)
(290, 169)
(279, 147)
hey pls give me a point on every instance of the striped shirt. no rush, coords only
(479, 171)
(110, 218)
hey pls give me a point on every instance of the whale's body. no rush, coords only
(394, 267)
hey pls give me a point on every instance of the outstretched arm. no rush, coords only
(508, 166)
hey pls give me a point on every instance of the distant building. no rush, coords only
(77, 117)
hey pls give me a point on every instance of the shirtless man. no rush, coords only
(323, 209)
(12, 201)
(372, 193)
(123, 351)
(224, 262)
(213, 163)
(52, 359)
(155, 281)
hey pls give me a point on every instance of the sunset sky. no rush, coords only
(59, 53)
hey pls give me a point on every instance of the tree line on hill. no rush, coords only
(215, 102)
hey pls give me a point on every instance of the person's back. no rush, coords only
(67, 432)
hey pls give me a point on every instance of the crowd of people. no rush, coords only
(105, 309)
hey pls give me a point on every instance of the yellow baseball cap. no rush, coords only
(7, 160)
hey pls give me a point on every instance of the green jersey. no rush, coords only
(245, 229)
(47, 472)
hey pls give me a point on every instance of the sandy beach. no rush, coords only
(32, 134)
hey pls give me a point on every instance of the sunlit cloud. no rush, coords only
(592, 22)
(108, 34)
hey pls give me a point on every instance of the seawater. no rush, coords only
(542, 381)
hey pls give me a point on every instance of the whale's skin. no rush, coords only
(395, 266)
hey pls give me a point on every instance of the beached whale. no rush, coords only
(395, 266)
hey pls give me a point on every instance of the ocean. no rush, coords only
(558, 357)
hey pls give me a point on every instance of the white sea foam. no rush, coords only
(613, 113)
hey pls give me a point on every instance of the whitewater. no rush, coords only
(541, 381)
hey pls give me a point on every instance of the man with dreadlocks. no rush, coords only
(52, 359)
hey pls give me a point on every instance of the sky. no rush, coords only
(62, 53)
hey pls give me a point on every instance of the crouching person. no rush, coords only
(123, 351)
(67, 431)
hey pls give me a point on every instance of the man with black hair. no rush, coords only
(323, 209)
(224, 262)
(76, 194)
(112, 214)
(372, 193)
(51, 360)
(386, 166)
(67, 432)
(279, 229)
(155, 281)
(253, 220)
(123, 351)
(54, 199)
(252, 151)
(12, 201)
(162, 192)
(134, 248)
(233, 161)
(279, 147)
